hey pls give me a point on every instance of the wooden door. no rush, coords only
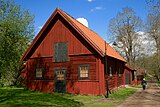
(60, 80)
(127, 77)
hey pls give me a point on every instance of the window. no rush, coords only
(84, 71)
(61, 52)
(110, 71)
(39, 72)
(60, 75)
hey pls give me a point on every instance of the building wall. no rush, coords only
(62, 33)
(116, 79)
(130, 72)
(79, 52)
(73, 83)
(139, 79)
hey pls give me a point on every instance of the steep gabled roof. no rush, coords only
(132, 69)
(90, 36)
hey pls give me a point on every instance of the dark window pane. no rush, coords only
(55, 52)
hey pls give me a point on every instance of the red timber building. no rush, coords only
(129, 75)
(68, 57)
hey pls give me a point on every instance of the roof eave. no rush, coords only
(24, 57)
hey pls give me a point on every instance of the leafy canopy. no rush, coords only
(16, 32)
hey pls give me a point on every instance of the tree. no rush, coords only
(153, 29)
(124, 29)
(16, 31)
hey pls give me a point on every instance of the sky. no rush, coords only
(95, 13)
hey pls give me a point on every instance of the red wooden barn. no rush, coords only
(129, 75)
(140, 75)
(68, 57)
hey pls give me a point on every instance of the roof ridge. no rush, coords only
(83, 29)
(131, 68)
(96, 41)
(82, 24)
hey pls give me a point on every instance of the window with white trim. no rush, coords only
(39, 72)
(83, 71)
(60, 75)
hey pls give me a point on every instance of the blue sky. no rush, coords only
(97, 12)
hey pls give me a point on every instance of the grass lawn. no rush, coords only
(138, 86)
(122, 93)
(18, 97)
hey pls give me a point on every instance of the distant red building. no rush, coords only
(129, 75)
(140, 75)
(68, 57)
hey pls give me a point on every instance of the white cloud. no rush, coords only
(40, 27)
(97, 8)
(143, 45)
(90, 0)
(147, 43)
(83, 21)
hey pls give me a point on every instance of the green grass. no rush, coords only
(122, 93)
(99, 101)
(90, 101)
(138, 86)
(100, 104)
(18, 97)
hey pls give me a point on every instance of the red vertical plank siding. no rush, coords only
(78, 86)
(101, 76)
(78, 54)
(45, 85)
(111, 79)
(128, 71)
(83, 87)
(97, 74)
(60, 33)
(116, 80)
(120, 80)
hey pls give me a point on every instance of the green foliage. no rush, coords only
(153, 29)
(158, 82)
(16, 31)
(149, 63)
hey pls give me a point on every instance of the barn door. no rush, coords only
(60, 80)
(127, 77)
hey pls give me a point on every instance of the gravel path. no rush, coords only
(144, 98)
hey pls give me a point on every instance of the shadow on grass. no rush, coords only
(23, 98)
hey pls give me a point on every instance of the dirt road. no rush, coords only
(147, 98)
